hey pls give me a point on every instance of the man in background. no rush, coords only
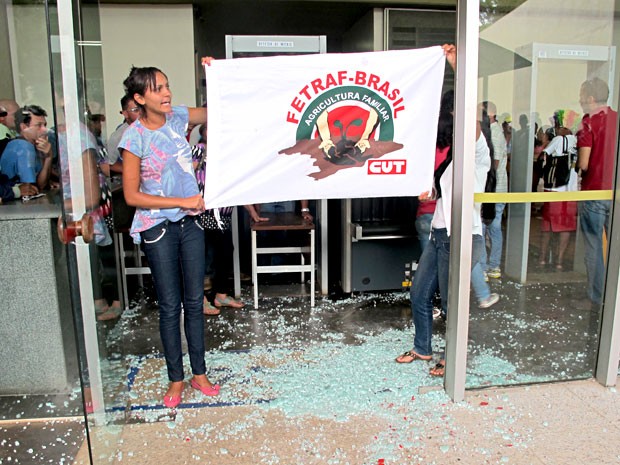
(596, 145)
(130, 112)
(28, 159)
(7, 119)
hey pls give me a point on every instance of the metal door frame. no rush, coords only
(70, 66)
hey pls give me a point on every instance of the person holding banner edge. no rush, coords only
(158, 179)
(433, 267)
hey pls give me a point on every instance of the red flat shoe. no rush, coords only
(172, 401)
(212, 390)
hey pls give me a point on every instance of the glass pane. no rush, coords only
(85, 170)
(552, 104)
(40, 371)
(47, 372)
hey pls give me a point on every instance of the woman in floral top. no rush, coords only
(159, 180)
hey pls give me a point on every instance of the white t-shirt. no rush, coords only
(555, 149)
(113, 141)
(500, 155)
(443, 211)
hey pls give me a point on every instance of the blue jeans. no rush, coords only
(278, 207)
(594, 219)
(480, 286)
(433, 270)
(494, 230)
(176, 255)
(423, 228)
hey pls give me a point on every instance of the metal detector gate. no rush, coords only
(254, 46)
(598, 61)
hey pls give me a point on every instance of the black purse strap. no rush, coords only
(565, 145)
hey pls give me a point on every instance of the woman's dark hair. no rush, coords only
(140, 80)
(445, 131)
(485, 127)
(445, 126)
(439, 172)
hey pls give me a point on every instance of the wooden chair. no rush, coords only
(283, 222)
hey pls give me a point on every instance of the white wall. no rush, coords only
(556, 22)
(147, 35)
(27, 30)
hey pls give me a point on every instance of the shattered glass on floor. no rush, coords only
(330, 370)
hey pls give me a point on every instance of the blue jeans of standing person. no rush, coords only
(594, 219)
(433, 270)
(494, 231)
(423, 228)
(176, 255)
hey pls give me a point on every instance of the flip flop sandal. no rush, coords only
(227, 302)
(110, 314)
(208, 308)
(439, 370)
(413, 356)
(101, 309)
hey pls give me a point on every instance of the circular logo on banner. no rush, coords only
(344, 128)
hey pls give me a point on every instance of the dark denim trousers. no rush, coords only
(434, 270)
(176, 255)
(594, 218)
(494, 230)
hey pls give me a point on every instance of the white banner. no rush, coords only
(322, 126)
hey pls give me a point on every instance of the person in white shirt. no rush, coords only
(131, 112)
(433, 267)
(491, 263)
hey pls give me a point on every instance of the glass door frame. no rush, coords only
(69, 72)
(465, 94)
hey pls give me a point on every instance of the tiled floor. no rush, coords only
(551, 424)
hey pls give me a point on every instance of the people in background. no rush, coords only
(10, 191)
(558, 217)
(28, 158)
(159, 180)
(433, 267)
(7, 119)
(131, 112)
(596, 145)
(491, 261)
(218, 240)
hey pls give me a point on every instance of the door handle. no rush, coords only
(69, 231)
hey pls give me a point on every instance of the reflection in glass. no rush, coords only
(546, 326)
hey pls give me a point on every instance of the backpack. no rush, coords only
(487, 211)
(556, 170)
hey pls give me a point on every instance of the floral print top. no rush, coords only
(165, 167)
